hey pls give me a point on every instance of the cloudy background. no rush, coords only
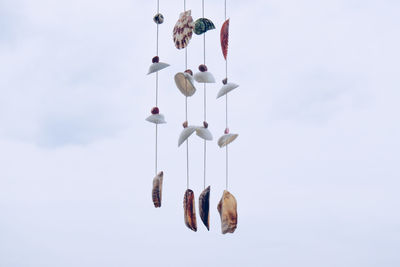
(315, 170)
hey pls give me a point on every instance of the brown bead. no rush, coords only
(203, 68)
(225, 81)
(155, 111)
(205, 124)
(156, 59)
(185, 124)
(189, 71)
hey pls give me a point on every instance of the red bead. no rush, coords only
(155, 111)
(155, 59)
(203, 68)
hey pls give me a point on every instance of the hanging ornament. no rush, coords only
(225, 38)
(190, 210)
(185, 83)
(204, 76)
(203, 25)
(204, 206)
(156, 66)
(227, 208)
(157, 189)
(183, 30)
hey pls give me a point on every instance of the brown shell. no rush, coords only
(227, 208)
(225, 38)
(183, 30)
(204, 207)
(190, 210)
(157, 189)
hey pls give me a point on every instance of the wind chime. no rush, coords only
(185, 82)
(156, 117)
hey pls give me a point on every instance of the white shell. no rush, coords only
(157, 67)
(156, 118)
(204, 77)
(204, 133)
(226, 139)
(185, 134)
(226, 89)
(185, 83)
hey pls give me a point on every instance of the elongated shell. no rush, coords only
(226, 88)
(185, 83)
(157, 189)
(226, 139)
(183, 30)
(204, 207)
(225, 38)
(185, 134)
(227, 208)
(204, 133)
(155, 67)
(203, 25)
(204, 77)
(156, 119)
(190, 210)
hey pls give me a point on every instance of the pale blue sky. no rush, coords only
(315, 170)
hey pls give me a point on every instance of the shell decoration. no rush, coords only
(203, 25)
(227, 208)
(158, 18)
(157, 190)
(225, 38)
(185, 83)
(204, 207)
(190, 210)
(183, 30)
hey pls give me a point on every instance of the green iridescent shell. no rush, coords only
(202, 25)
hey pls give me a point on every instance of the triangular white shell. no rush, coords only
(226, 89)
(157, 67)
(156, 118)
(185, 83)
(185, 134)
(226, 139)
(204, 77)
(204, 133)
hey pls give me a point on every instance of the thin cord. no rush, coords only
(226, 122)
(186, 113)
(156, 142)
(205, 105)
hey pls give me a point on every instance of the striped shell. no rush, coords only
(183, 30)
(225, 38)
(202, 25)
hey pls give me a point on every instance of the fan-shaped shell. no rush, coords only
(226, 139)
(226, 88)
(204, 77)
(157, 67)
(183, 30)
(185, 83)
(185, 134)
(225, 38)
(203, 25)
(156, 119)
(204, 133)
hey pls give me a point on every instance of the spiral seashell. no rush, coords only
(158, 18)
(203, 25)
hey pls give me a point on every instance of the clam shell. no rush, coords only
(203, 25)
(190, 210)
(227, 208)
(204, 133)
(226, 88)
(157, 189)
(225, 38)
(185, 83)
(226, 139)
(157, 67)
(185, 134)
(204, 207)
(183, 30)
(204, 77)
(156, 119)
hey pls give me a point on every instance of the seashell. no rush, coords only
(226, 88)
(158, 18)
(204, 133)
(157, 189)
(185, 83)
(225, 38)
(227, 208)
(190, 210)
(204, 207)
(185, 134)
(226, 139)
(183, 30)
(204, 77)
(156, 119)
(157, 66)
(203, 25)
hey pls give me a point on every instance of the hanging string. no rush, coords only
(186, 112)
(205, 104)
(156, 135)
(226, 123)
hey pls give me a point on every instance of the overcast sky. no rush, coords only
(315, 170)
